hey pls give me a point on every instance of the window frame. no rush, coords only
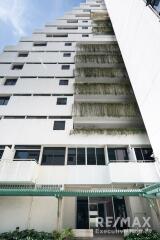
(57, 127)
(62, 81)
(61, 101)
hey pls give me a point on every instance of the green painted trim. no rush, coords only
(67, 193)
(13, 190)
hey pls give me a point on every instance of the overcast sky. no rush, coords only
(20, 17)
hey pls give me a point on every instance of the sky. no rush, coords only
(19, 18)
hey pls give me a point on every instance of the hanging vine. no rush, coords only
(106, 109)
(101, 72)
(102, 89)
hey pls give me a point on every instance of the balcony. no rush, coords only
(103, 98)
(107, 122)
(19, 172)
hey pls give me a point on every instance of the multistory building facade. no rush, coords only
(73, 144)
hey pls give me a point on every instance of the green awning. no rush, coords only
(25, 190)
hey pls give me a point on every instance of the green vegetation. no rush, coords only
(129, 131)
(101, 72)
(99, 58)
(102, 89)
(106, 109)
(66, 234)
(143, 236)
(107, 48)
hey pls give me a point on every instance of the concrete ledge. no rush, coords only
(120, 80)
(103, 98)
(107, 122)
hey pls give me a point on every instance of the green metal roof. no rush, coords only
(13, 190)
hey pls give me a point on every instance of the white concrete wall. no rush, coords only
(138, 34)
(39, 213)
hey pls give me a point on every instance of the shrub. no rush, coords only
(143, 236)
(66, 234)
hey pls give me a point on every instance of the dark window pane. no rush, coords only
(68, 44)
(111, 154)
(17, 67)
(80, 156)
(66, 54)
(39, 44)
(59, 125)
(63, 82)
(1, 153)
(100, 156)
(138, 153)
(53, 156)
(4, 100)
(27, 154)
(23, 54)
(91, 157)
(61, 101)
(65, 67)
(10, 81)
(71, 160)
(147, 152)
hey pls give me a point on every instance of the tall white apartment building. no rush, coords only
(73, 144)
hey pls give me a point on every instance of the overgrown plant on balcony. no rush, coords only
(96, 47)
(106, 110)
(126, 131)
(103, 89)
(99, 58)
(101, 72)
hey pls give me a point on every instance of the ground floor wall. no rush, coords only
(40, 213)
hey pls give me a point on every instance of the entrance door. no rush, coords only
(82, 213)
(120, 210)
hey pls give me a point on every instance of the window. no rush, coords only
(71, 160)
(76, 156)
(26, 155)
(144, 154)
(61, 101)
(85, 35)
(23, 54)
(84, 27)
(63, 82)
(80, 156)
(72, 21)
(116, 154)
(17, 66)
(85, 21)
(57, 35)
(1, 153)
(40, 44)
(91, 156)
(67, 27)
(66, 54)
(53, 156)
(68, 44)
(59, 125)
(100, 156)
(65, 67)
(86, 10)
(4, 100)
(10, 81)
